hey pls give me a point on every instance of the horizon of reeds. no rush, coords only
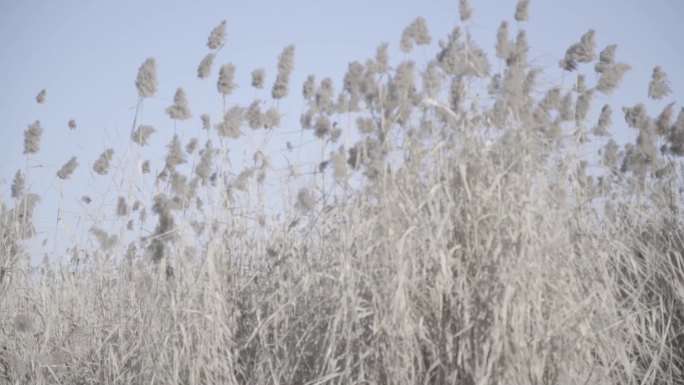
(461, 239)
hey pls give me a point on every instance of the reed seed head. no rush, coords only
(175, 156)
(146, 83)
(32, 138)
(285, 68)
(179, 110)
(255, 118)
(204, 68)
(271, 118)
(464, 10)
(305, 201)
(121, 207)
(142, 134)
(206, 121)
(659, 87)
(226, 84)
(258, 78)
(18, 185)
(232, 120)
(521, 10)
(217, 37)
(40, 98)
(68, 168)
(101, 165)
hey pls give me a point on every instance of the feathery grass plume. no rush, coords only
(582, 52)
(309, 87)
(421, 34)
(242, 181)
(659, 86)
(230, 126)
(416, 32)
(530, 80)
(162, 207)
(72, 124)
(305, 201)
(68, 168)
(180, 109)
(324, 96)
(180, 186)
(101, 165)
(191, 146)
(494, 87)
(271, 118)
(604, 120)
(406, 42)
(285, 67)
(254, 116)
(175, 156)
(121, 207)
(503, 45)
(146, 83)
(32, 138)
(452, 57)
(306, 119)
(432, 80)
(23, 323)
(353, 83)
(339, 164)
(610, 154)
(204, 68)
(518, 53)
(583, 105)
(217, 36)
(203, 168)
(676, 136)
(646, 152)
(136, 205)
(258, 78)
(206, 121)
(18, 185)
(381, 62)
(142, 134)
(636, 117)
(551, 99)
(464, 10)
(40, 98)
(521, 10)
(606, 58)
(225, 84)
(106, 241)
(322, 126)
(27, 205)
(145, 167)
(664, 120)
(402, 86)
(611, 77)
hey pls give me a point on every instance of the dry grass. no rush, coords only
(460, 240)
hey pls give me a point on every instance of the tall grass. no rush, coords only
(462, 239)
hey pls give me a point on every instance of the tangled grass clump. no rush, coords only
(460, 240)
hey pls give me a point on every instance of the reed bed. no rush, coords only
(471, 234)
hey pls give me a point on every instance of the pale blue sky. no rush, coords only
(86, 55)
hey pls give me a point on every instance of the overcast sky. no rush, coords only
(86, 55)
